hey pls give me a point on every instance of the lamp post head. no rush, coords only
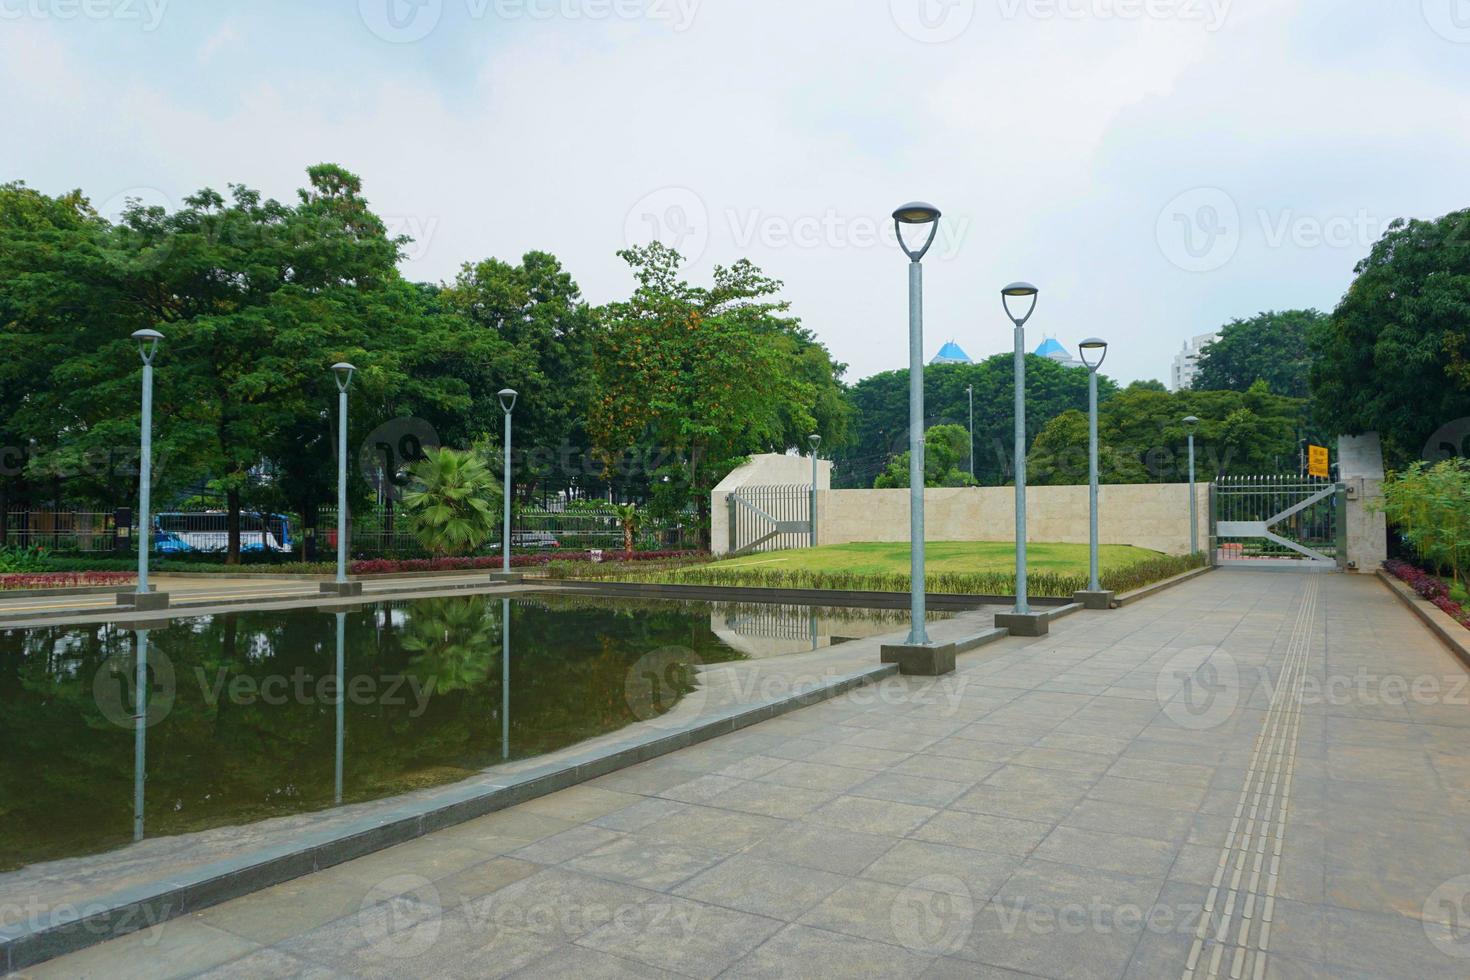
(1090, 348)
(344, 373)
(1190, 424)
(508, 398)
(147, 341)
(815, 440)
(916, 213)
(1019, 291)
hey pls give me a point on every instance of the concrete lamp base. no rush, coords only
(143, 601)
(922, 661)
(342, 588)
(1093, 600)
(1024, 624)
(509, 578)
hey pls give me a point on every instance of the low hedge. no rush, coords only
(1428, 587)
(1048, 584)
(63, 580)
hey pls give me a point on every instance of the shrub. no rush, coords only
(1428, 587)
(64, 580)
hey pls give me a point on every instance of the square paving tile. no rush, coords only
(820, 846)
(899, 788)
(984, 831)
(685, 937)
(807, 952)
(869, 816)
(638, 860)
(749, 884)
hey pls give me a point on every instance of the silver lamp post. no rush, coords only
(919, 214)
(344, 373)
(815, 441)
(1020, 291)
(1191, 423)
(1088, 349)
(970, 390)
(148, 341)
(507, 403)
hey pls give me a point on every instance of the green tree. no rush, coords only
(945, 461)
(629, 519)
(881, 412)
(1142, 438)
(706, 376)
(1269, 347)
(1394, 357)
(454, 504)
(536, 309)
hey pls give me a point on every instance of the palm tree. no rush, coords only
(453, 506)
(630, 519)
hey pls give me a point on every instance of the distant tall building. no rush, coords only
(951, 353)
(1186, 362)
(1052, 349)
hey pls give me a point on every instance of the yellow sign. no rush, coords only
(1317, 461)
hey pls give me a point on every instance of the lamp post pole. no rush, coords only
(507, 403)
(815, 441)
(916, 213)
(343, 372)
(1020, 290)
(1190, 424)
(148, 350)
(970, 390)
(1087, 347)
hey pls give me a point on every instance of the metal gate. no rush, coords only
(770, 518)
(1277, 519)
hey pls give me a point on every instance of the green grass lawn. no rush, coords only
(885, 558)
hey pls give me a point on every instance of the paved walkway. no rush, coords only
(1252, 775)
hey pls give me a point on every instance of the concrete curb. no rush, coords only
(78, 590)
(1440, 623)
(200, 888)
(1168, 583)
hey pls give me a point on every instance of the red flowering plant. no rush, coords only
(63, 580)
(1428, 587)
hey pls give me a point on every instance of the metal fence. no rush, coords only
(1286, 516)
(770, 518)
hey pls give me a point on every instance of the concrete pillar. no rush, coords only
(1365, 528)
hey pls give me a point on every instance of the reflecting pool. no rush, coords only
(114, 734)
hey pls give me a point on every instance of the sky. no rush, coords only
(1156, 167)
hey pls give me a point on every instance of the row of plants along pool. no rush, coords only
(1051, 584)
(1431, 588)
(63, 580)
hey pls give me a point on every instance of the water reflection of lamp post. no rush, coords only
(919, 214)
(505, 678)
(140, 733)
(341, 702)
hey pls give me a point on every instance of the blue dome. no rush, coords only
(1050, 348)
(951, 353)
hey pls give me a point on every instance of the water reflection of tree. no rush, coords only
(66, 772)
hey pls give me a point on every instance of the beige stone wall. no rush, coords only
(1151, 515)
